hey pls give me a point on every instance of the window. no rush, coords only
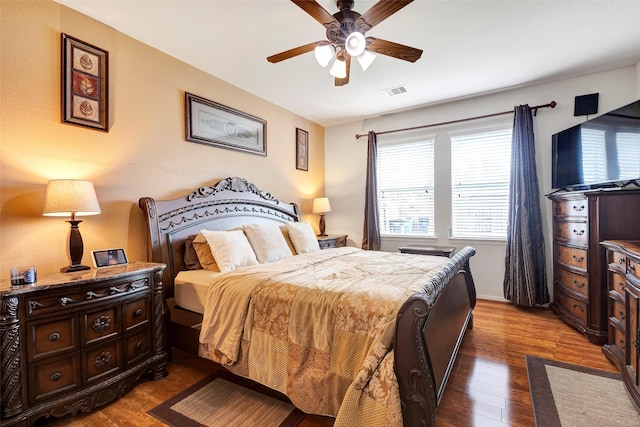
(405, 188)
(480, 170)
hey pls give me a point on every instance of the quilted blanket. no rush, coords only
(319, 328)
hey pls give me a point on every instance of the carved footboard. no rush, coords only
(430, 328)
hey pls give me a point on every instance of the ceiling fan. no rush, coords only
(345, 37)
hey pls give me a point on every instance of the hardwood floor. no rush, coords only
(488, 385)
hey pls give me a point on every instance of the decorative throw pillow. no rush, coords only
(303, 237)
(287, 238)
(267, 242)
(190, 255)
(231, 249)
(203, 251)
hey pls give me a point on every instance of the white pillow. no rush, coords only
(303, 237)
(267, 242)
(231, 249)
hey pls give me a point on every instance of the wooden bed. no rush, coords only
(429, 327)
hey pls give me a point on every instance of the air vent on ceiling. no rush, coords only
(392, 91)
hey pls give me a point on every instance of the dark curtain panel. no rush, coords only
(371, 230)
(525, 279)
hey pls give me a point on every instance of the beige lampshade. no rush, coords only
(321, 205)
(67, 197)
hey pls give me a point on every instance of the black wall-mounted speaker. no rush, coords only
(586, 104)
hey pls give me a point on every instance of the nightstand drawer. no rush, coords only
(50, 337)
(55, 376)
(328, 242)
(137, 347)
(100, 325)
(103, 360)
(136, 313)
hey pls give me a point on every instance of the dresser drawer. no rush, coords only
(578, 283)
(571, 232)
(617, 283)
(575, 257)
(634, 268)
(54, 376)
(617, 311)
(137, 347)
(100, 325)
(101, 361)
(136, 313)
(570, 208)
(576, 308)
(49, 337)
(617, 336)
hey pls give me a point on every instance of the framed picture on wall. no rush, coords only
(211, 123)
(302, 149)
(85, 84)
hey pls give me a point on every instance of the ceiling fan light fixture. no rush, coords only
(339, 69)
(365, 59)
(355, 44)
(324, 53)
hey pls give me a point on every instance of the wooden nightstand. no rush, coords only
(332, 241)
(74, 342)
(428, 250)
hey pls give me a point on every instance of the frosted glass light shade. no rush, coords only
(321, 205)
(324, 53)
(339, 69)
(355, 44)
(365, 59)
(67, 197)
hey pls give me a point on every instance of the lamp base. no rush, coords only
(72, 268)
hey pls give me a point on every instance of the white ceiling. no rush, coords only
(470, 47)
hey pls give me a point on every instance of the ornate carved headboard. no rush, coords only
(230, 203)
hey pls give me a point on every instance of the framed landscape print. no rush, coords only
(85, 84)
(302, 149)
(211, 123)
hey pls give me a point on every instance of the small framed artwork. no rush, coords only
(85, 84)
(211, 123)
(109, 257)
(302, 149)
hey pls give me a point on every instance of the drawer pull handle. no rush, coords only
(622, 346)
(577, 258)
(622, 286)
(578, 208)
(622, 260)
(139, 345)
(632, 268)
(138, 312)
(578, 232)
(578, 284)
(636, 342)
(101, 324)
(54, 337)
(102, 359)
(621, 315)
(579, 307)
(55, 376)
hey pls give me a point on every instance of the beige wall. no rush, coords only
(143, 154)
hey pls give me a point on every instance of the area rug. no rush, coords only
(569, 395)
(220, 402)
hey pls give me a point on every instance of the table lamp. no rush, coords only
(321, 206)
(70, 197)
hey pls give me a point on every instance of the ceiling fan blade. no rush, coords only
(395, 50)
(318, 13)
(379, 12)
(292, 52)
(344, 81)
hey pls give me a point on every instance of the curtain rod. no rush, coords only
(552, 104)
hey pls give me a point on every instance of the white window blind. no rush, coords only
(405, 188)
(480, 170)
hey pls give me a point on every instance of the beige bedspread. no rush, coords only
(318, 327)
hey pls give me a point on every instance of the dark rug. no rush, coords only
(219, 401)
(569, 395)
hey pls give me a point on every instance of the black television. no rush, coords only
(601, 152)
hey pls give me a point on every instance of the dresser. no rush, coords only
(581, 220)
(623, 285)
(73, 342)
